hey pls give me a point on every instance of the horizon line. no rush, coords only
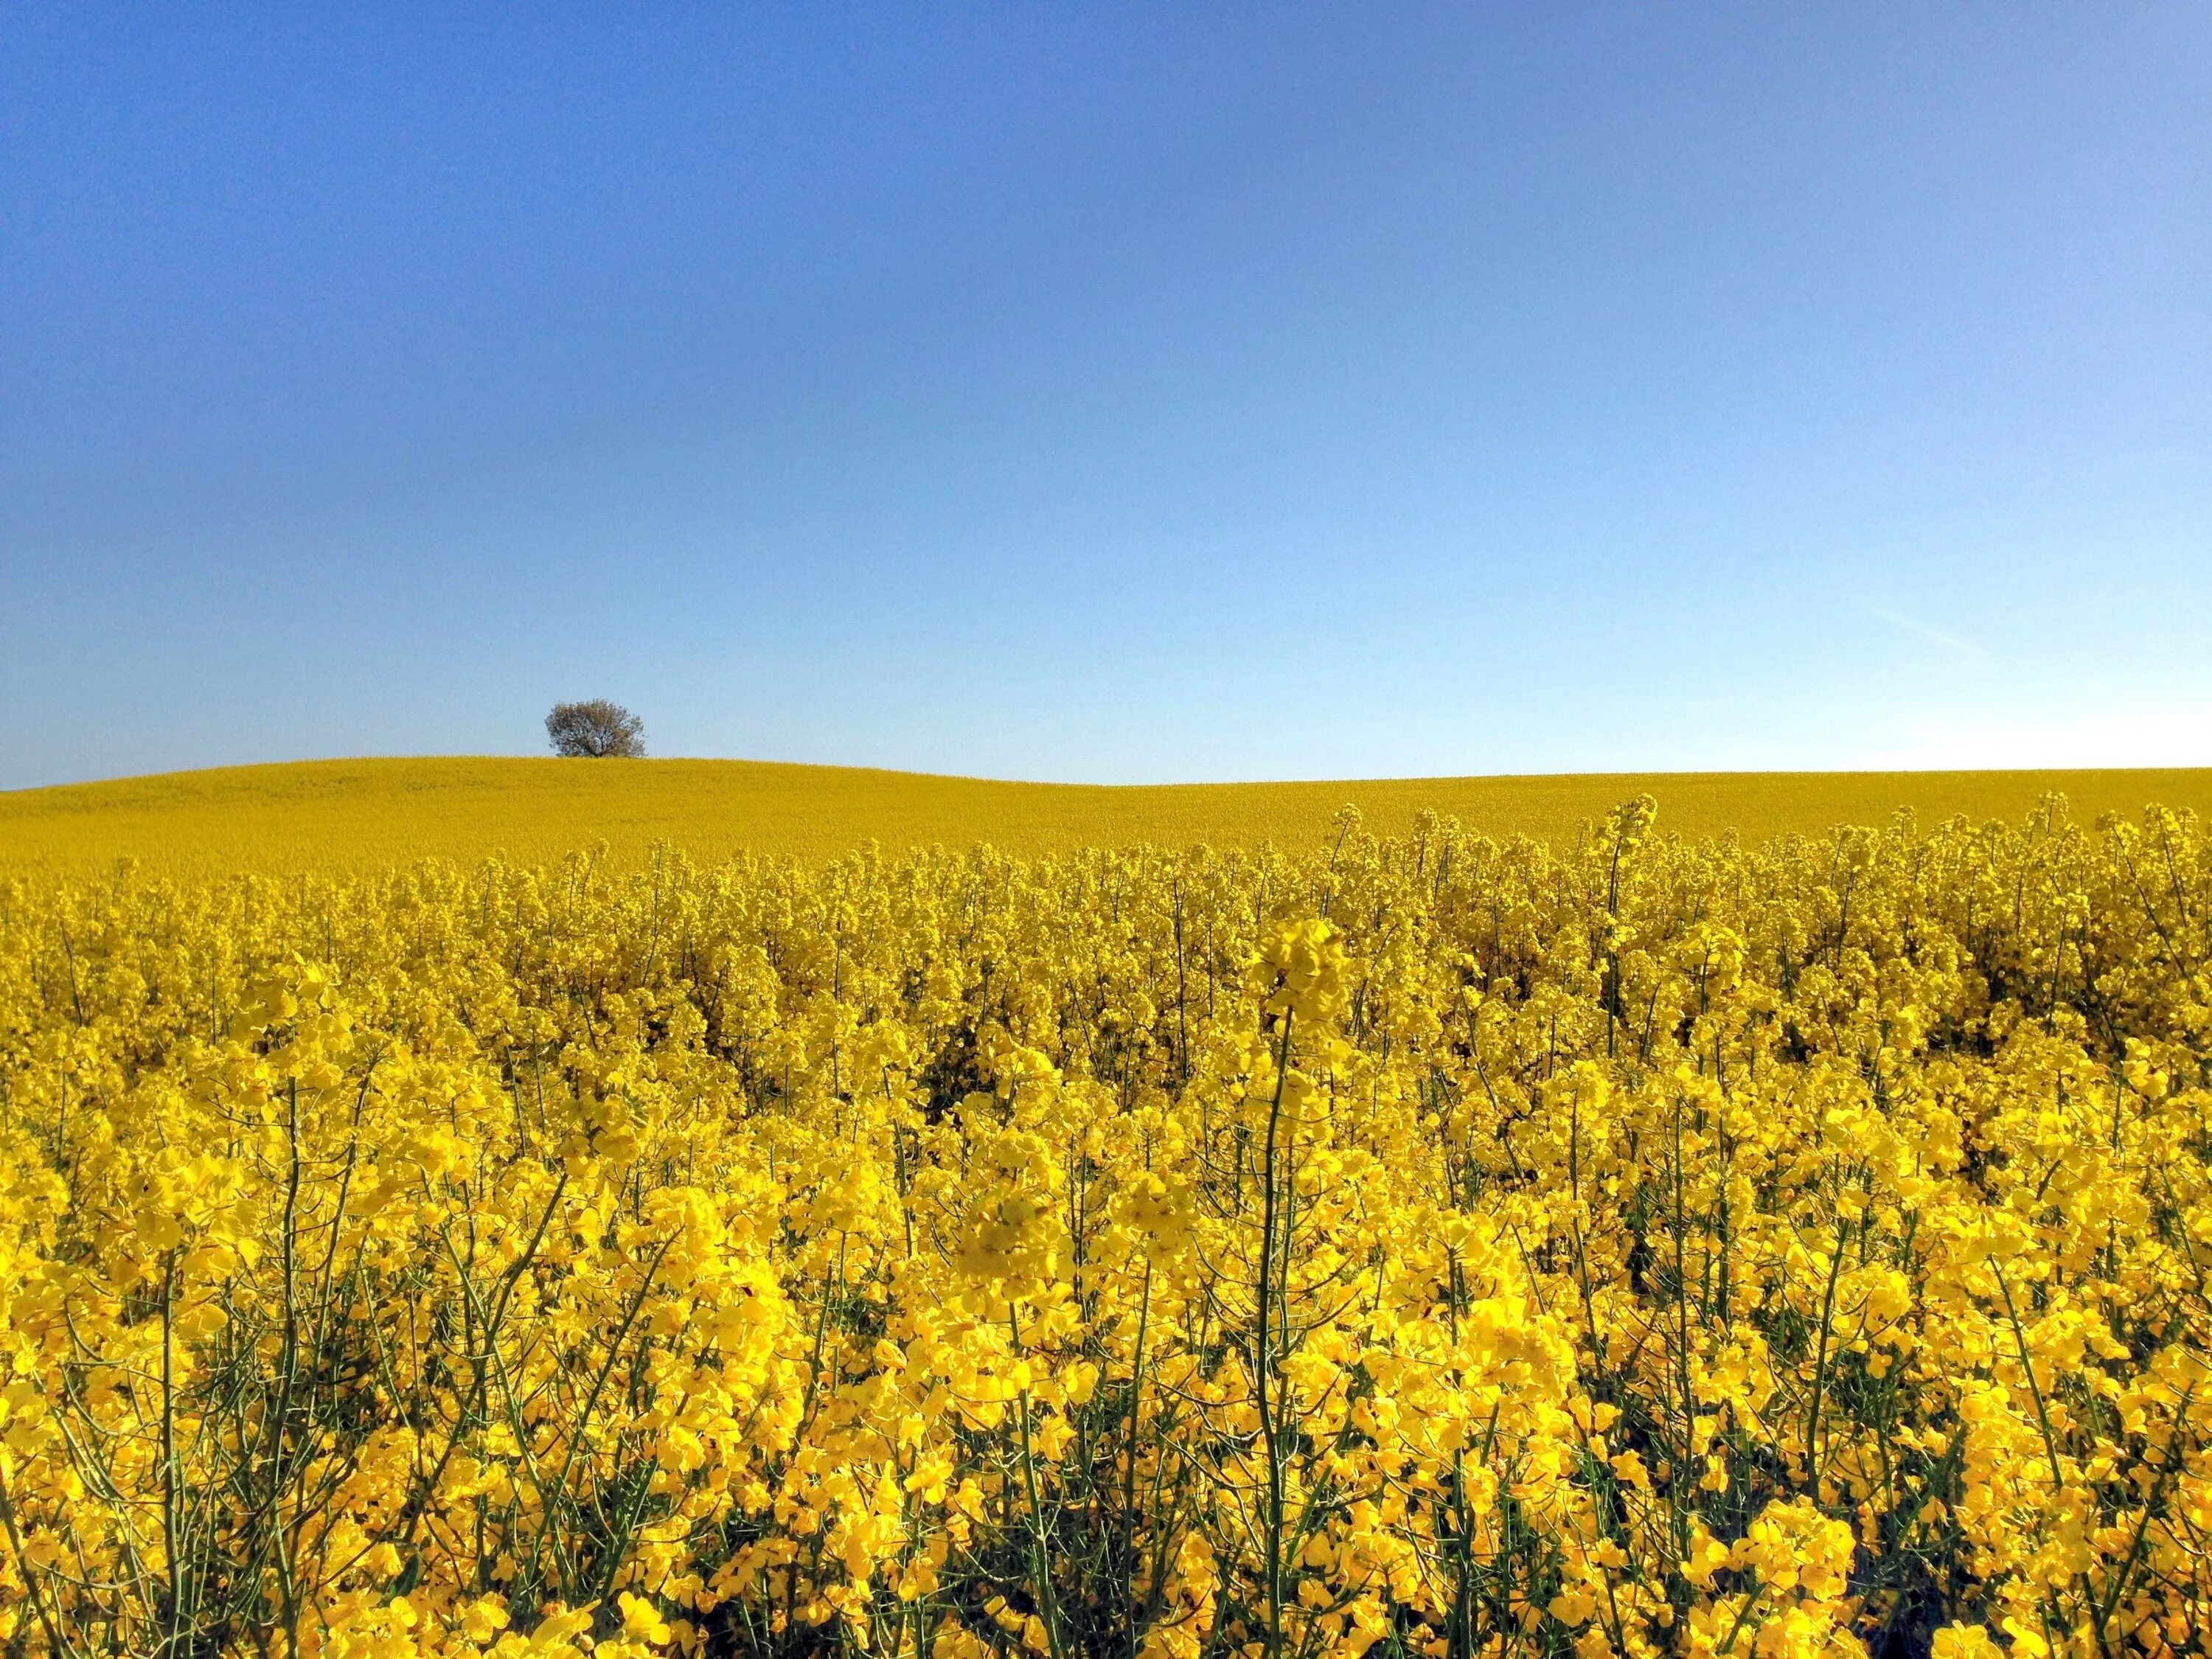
(1058, 783)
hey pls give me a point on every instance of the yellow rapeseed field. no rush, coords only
(1405, 1240)
(366, 813)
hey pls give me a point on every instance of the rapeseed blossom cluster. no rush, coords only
(1430, 1246)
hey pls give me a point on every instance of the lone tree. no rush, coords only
(598, 729)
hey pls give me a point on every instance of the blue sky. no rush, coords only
(1114, 393)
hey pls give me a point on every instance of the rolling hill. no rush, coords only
(351, 813)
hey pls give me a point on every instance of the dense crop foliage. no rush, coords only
(1427, 1246)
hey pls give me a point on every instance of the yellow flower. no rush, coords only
(641, 1622)
(1301, 969)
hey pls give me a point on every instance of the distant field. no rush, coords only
(351, 813)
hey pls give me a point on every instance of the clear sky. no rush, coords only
(1108, 393)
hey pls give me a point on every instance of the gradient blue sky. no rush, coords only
(1110, 393)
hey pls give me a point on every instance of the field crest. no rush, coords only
(356, 813)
